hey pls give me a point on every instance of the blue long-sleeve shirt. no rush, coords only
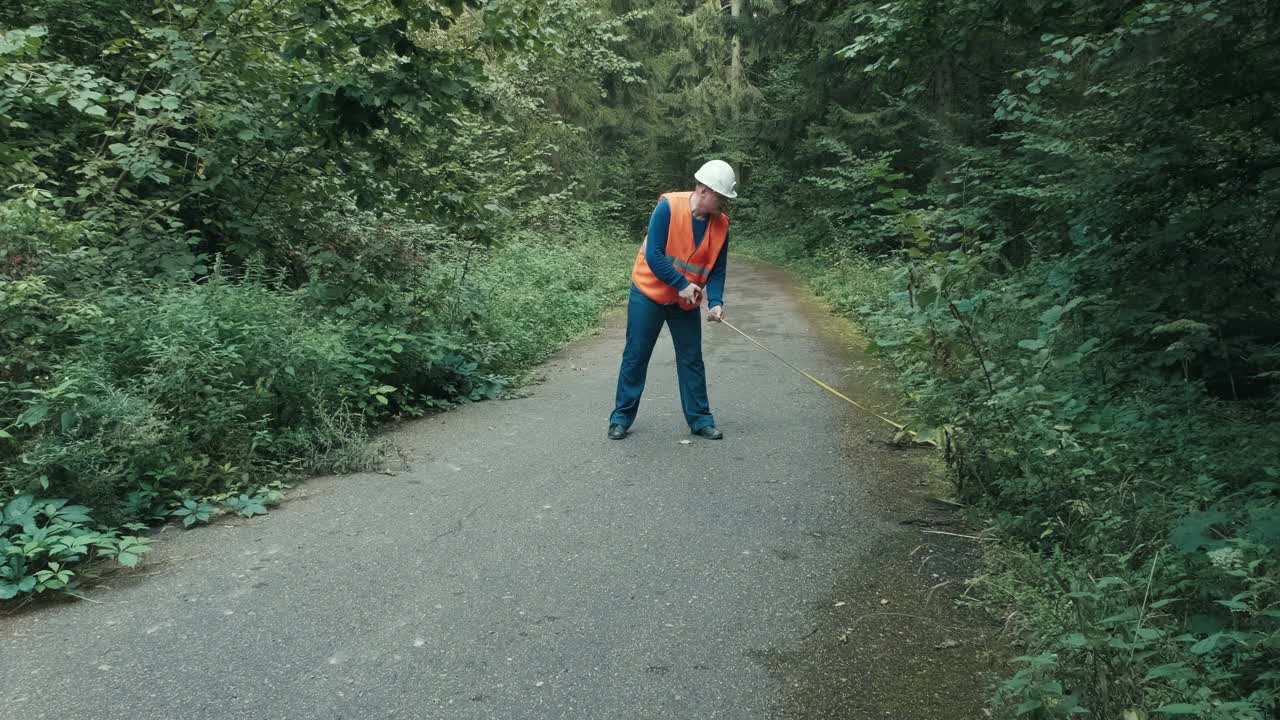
(656, 254)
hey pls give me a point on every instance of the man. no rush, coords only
(681, 263)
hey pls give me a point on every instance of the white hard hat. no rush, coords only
(718, 176)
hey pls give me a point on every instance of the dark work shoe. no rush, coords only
(710, 432)
(617, 432)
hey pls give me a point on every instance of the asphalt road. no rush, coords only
(520, 565)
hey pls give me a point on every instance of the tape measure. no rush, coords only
(821, 384)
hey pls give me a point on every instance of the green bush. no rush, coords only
(44, 543)
(216, 273)
(224, 358)
(138, 399)
(538, 293)
(178, 387)
(49, 272)
(1139, 520)
(193, 387)
(94, 443)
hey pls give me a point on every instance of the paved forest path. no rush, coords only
(521, 565)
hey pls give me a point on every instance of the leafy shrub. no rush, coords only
(48, 272)
(44, 543)
(215, 273)
(538, 293)
(1140, 520)
(93, 443)
(180, 383)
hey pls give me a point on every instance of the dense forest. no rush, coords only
(235, 235)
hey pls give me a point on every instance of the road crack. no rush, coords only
(457, 525)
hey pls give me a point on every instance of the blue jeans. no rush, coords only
(644, 321)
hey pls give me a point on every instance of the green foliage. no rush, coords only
(235, 236)
(1058, 224)
(44, 543)
(1131, 632)
(1139, 523)
(558, 294)
(201, 386)
(193, 511)
(176, 126)
(246, 506)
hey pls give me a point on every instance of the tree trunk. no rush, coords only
(735, 68)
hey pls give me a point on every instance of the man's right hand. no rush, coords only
(692, 294)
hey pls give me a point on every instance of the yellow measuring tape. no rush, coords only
(819, 383)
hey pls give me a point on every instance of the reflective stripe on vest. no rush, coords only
(700, 271)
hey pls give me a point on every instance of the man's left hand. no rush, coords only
(715, 314)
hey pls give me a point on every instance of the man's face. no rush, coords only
(706, 201)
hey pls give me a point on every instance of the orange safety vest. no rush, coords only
(694, 263)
